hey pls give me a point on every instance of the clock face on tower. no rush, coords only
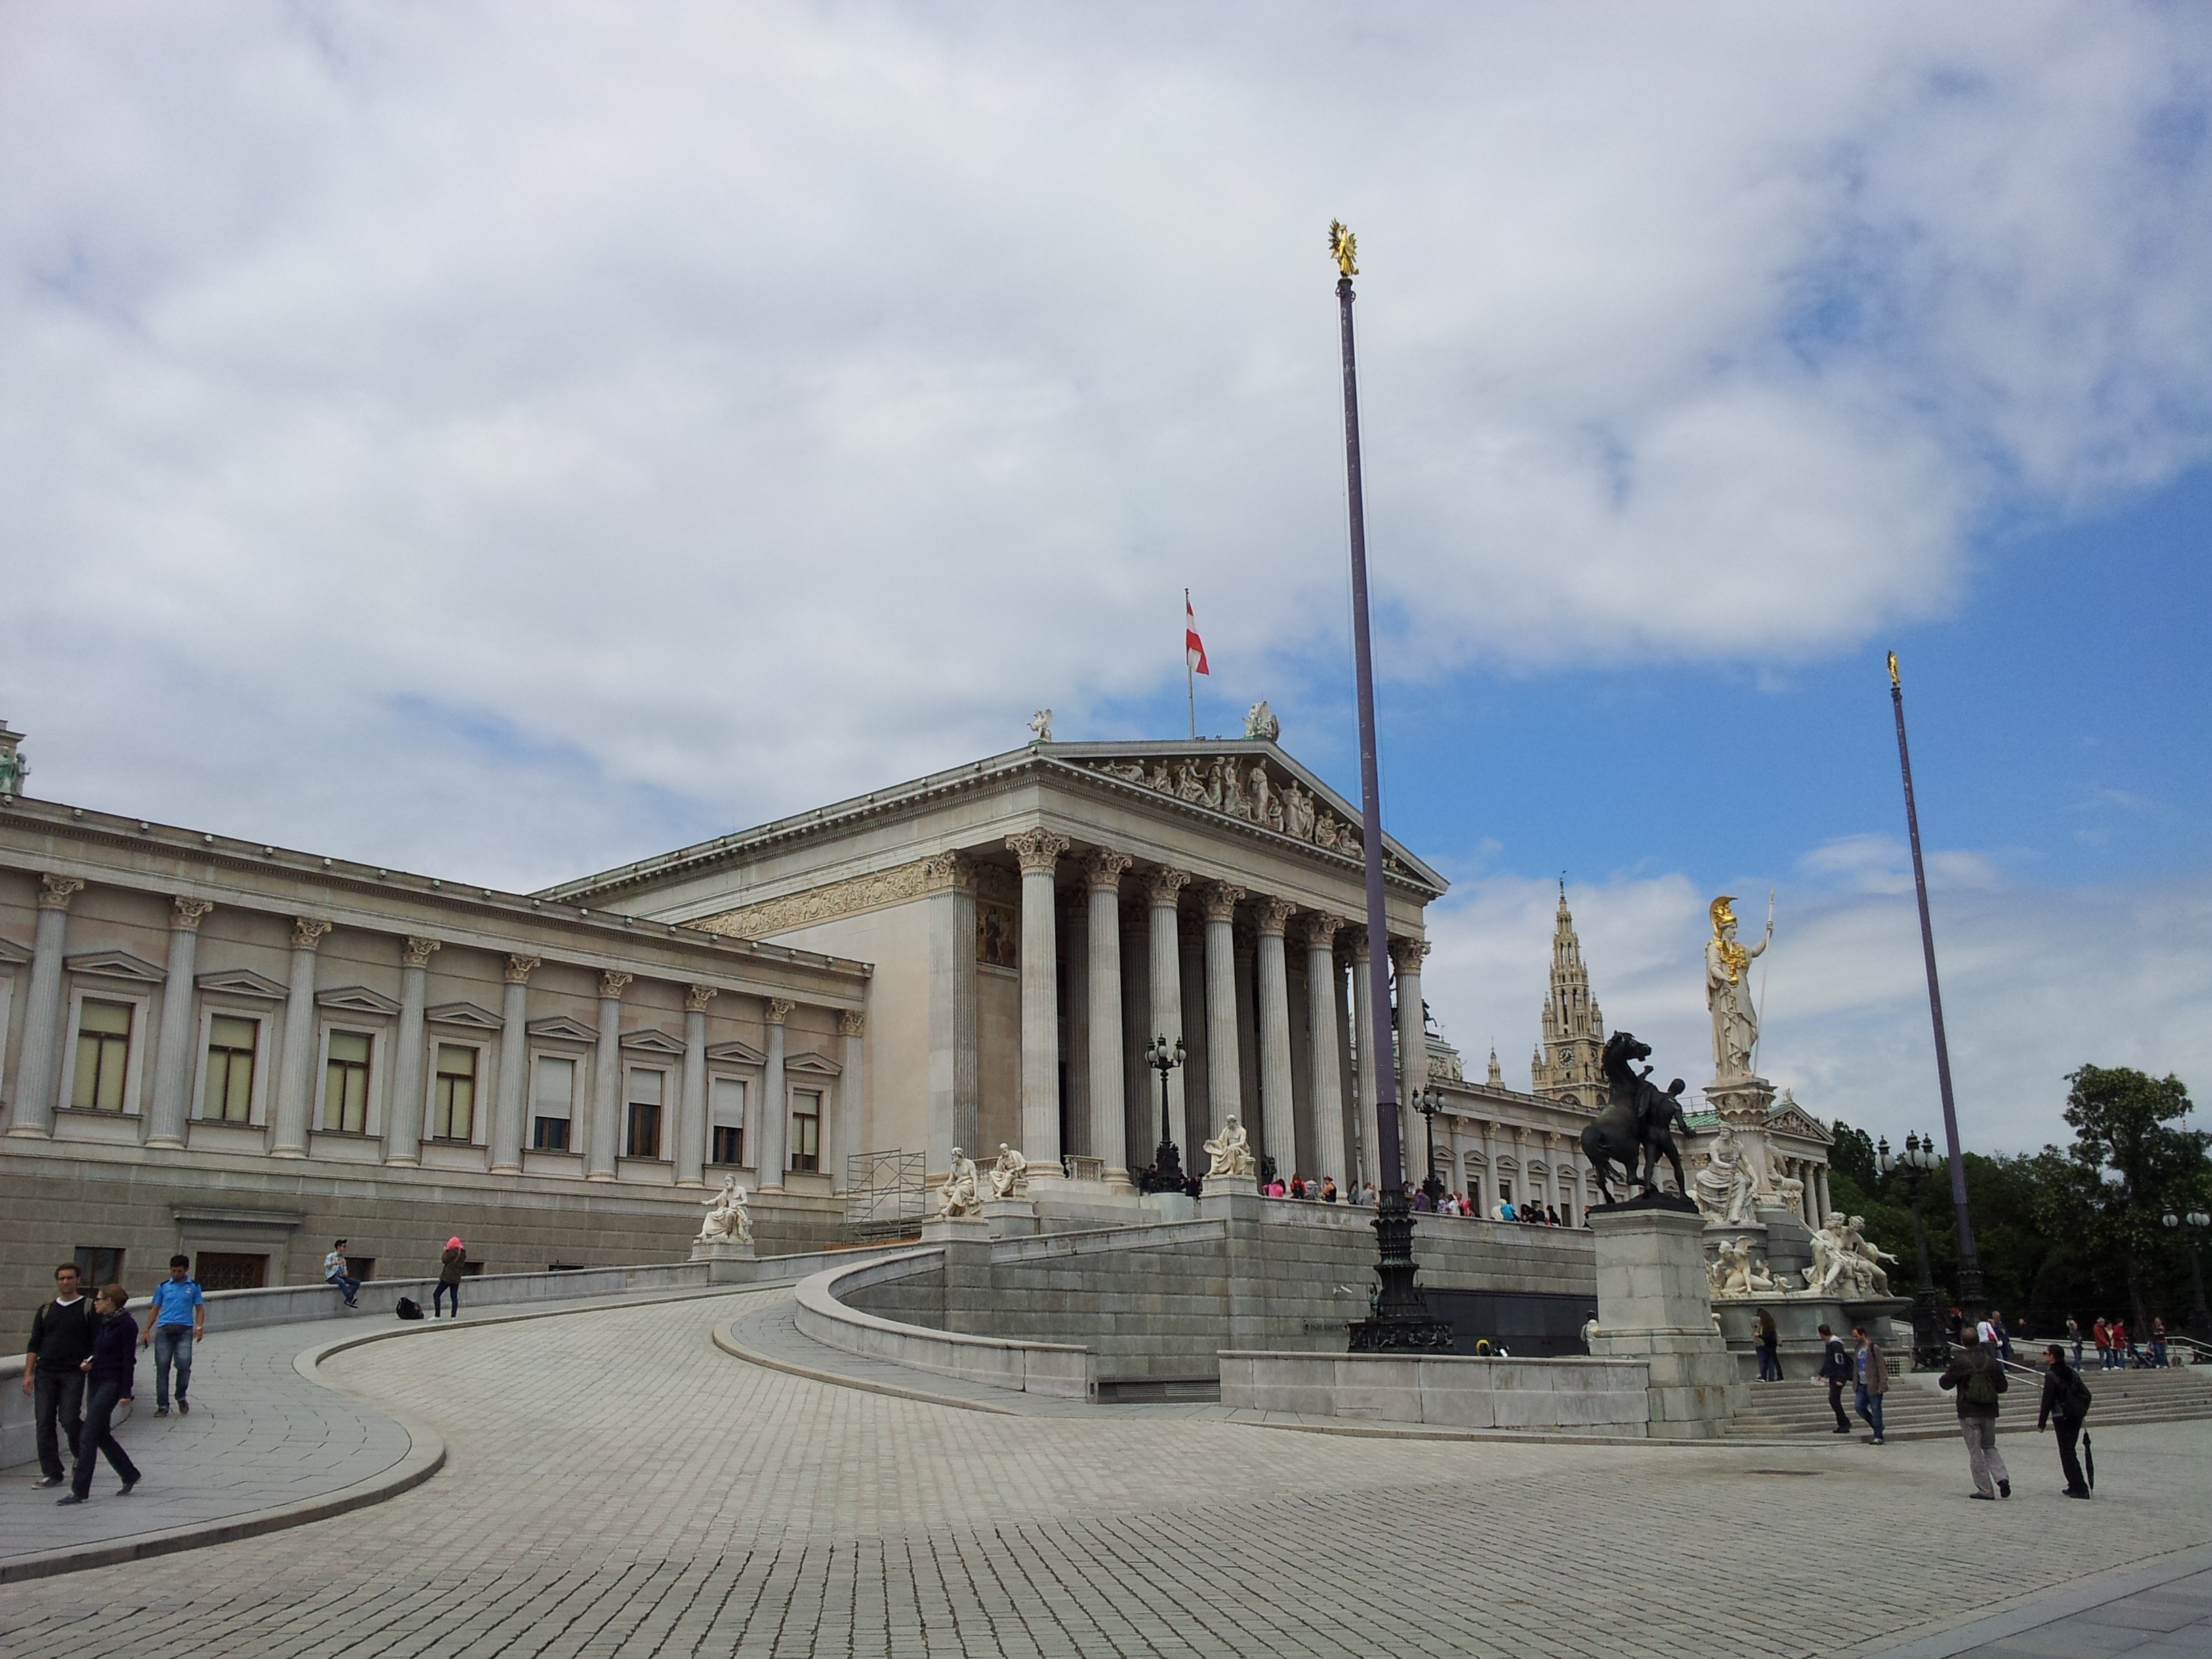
(1566, 1058)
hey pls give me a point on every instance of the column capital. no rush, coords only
(1104, 867)
(1358, 937)
(696, 997)
(1321, 930)
(1221, 898)
(852, 1023)
(1405, 954)
(1038, 849)
(307, 933)
(611, 981)
(187, 914)
(779, 1009)
(520, 968)
(1272, 913)
(416, 952)
(55, 892)
(1164, 885)
(947, 872)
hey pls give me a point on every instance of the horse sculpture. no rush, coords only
(1635, 1129)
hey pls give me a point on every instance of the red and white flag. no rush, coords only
(1193, 648)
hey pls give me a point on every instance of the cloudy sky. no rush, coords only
(506, 440)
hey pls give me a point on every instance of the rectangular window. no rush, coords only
(553, 1096)
(644, 1115)
(345, 1083)
(805, 1130)
(726, 1109)
(97, 1265)
(231, 1045)
(453, 1104)
(222, 1270)
(103, 1053)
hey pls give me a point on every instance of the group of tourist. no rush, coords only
(1310, 1192)
(2117, 1350)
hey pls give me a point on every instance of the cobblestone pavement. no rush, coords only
(618, 1485)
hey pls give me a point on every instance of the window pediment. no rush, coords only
(240, 982)
(13, 955)
(736, 1053)
(116, 964)
(356, 999)
(564, 1028)
(465, 1014)
(812, 1065)
(652, 1043)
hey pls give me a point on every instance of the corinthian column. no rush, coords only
(513, 1067)
(605, 1142)
(1109, 1131)
(841, 1136)
(1039, 852)
(403, 1128)
(1321, 1005)
(950, 884)
(774, 1157)
(38, 1073)
(1405, 955)
(1277, 1116)
(691, 1118)
(173, 1060)
(1164, 887)
(1362, 1042)
(1223, 1065)
(296, 1068)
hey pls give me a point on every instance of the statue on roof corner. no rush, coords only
(1260, 724)
(1041, 725)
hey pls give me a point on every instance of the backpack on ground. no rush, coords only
(1982, 1386)
(409, 1308)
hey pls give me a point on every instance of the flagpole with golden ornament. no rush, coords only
(1399, 1319)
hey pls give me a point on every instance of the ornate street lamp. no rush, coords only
(1931, 1348)
(1167, 1161)
(2192, 1226)
(1428, 1103)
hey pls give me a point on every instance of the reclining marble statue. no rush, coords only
(727, 1217)
(1010, 1173)
(959, 1195)
(1734, 1273)
(1231, 1152)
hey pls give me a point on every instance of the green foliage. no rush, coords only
(1853, 1155)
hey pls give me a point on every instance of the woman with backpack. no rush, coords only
(2065, 1402)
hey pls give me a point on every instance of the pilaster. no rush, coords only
(38, 1073)
(691, 1120)
(1038, 851)
(173, 1057)
(508, 1105)
(1110, 1129)
(402, 1125)
(1277, 1110)
(603, 1148)
(296, 1069)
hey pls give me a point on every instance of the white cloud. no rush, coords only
(2036, 982)
(711, 410)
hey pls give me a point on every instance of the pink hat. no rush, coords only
(454, 1244)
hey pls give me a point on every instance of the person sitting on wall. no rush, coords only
(336, 1271)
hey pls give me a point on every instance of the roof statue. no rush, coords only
(1260, 724)
(1041, 725)
(1343, 247)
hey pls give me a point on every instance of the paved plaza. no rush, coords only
(615, 1482)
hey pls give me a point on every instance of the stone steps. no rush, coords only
(1915, 1409)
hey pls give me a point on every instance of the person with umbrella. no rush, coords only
(2066, 1402)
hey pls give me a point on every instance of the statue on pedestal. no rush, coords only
(1231, 1152)
(1727, 991)
(1870, 1256)
(1009, 1173)
(959, 1196)
(1724, 1189)
(1735, 1274)
(727, 1217)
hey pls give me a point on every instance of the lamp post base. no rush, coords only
(1166, 1169)
(1931, 1344)
(1398, 1315)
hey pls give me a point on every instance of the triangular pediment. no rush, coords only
(12, 954)
(812, 1065)
(736, 1053)
(652, 1043)
(1790, 1120)
(462, 1013)
(563, 1029)
(240, 982)
(356, 999)
(116, 964)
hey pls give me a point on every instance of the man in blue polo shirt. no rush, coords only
(177, 1319)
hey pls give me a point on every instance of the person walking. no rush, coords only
(1835, 1372)
(2074, 1336)
(1977, 1378)
(2158, 1343)
(2102, 1334)
(2004, 1336)
(53, 1371)
(449, 1278)
(336, 1271)
(1770, 1348)
(2066, 1403)
(109, 1374)
(1955, 1322)
(176, 1322)
(1873, 1380)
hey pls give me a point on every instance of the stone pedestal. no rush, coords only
(1010, 1217)
(1214, 1186)
(1789, 1242)
(1170, 1206)
(728, 1262)
(956, 1230)
(1655, 1303)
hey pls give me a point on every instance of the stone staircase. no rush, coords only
(1915, 1409)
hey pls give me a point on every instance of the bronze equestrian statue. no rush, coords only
(1635, 1129)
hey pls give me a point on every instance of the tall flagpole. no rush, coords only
(1970, 1295)
(1400, 1316)
(1189, 670)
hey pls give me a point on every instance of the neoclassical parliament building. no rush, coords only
(243, 1051)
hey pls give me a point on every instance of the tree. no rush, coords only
(2129, 1159)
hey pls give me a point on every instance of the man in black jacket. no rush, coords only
(53, 1375)
(1979, 1377)
(1835, 1372)
(2065, 1402)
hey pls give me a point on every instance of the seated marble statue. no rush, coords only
(1231, 1152)
(1009, 1173)
(1724, 1189)
(729, 1220)
(959, 1195)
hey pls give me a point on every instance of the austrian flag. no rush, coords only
(1193, 648)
